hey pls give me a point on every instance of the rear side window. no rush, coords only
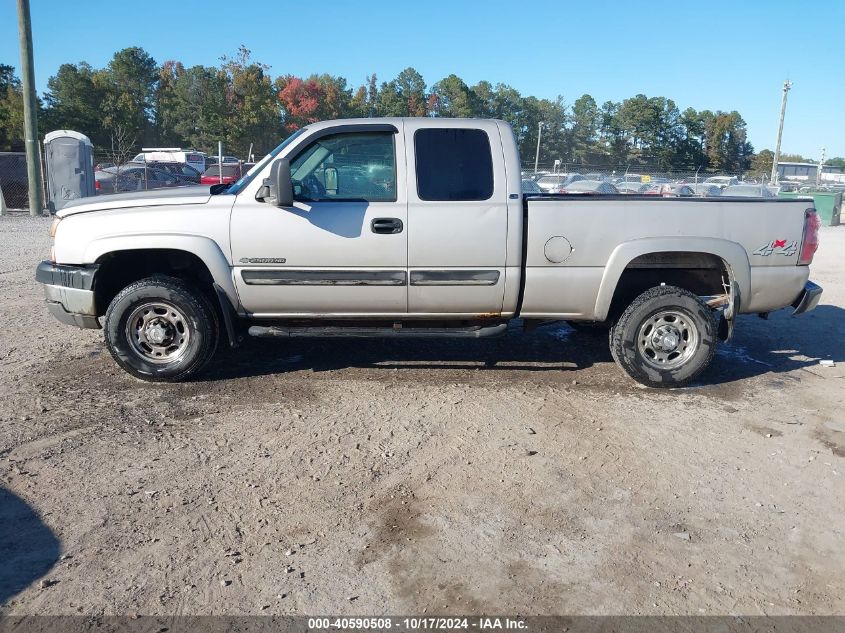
(453, 164)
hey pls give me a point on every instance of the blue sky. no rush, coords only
(714, 54)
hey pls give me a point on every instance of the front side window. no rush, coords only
(360, 167)
(453, 164)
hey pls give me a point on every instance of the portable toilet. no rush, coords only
(69, 157)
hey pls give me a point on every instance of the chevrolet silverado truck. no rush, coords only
(418, 227)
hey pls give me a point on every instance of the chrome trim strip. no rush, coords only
(454, 277)
(324, 277)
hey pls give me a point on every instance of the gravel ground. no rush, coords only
(522, 475)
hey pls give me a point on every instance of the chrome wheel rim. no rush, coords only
(158, 332)
(667, 339)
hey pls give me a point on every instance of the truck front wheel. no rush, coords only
(161, 329)
(665, 338)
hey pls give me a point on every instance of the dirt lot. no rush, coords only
(524, 475)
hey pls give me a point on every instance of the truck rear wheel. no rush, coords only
(665, 338)
(161, 329)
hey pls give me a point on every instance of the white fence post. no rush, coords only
(2, 203)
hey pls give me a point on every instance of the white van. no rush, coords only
(190, 157)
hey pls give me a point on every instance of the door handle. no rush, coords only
(386, 226)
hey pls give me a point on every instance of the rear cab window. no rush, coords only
(453, 164)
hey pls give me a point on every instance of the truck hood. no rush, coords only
(157, 197)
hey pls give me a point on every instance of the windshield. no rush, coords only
(247, 178)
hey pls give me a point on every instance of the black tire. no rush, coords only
(641, 340)
(184, 317)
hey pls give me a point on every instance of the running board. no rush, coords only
(376, 332)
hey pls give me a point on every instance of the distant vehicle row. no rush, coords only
(142, 176)
(574, 183)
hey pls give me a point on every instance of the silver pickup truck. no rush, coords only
(418, 228)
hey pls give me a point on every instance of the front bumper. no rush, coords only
(70, 293)
(808, 299)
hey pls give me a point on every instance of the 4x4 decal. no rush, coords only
(778, 247)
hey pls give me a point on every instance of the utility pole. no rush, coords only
(820, 169)
(786, 86)
(30, 111)
(220, 160)
(537, 155)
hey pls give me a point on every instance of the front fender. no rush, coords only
(205, 248)
(733, 254)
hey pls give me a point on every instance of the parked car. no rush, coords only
(630, 187)
(231, 173)
(631, 178)
(182, 171)
(704, 190)
(748, 191)
(227, 160)
(437, 241)
(590, 186)
(132, 178)
(722, 181)
(669, 190)
(554, 183)
(529, 186)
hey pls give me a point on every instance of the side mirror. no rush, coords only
(280, 183)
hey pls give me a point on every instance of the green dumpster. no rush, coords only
(828, 205)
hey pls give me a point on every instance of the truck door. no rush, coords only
(341, 249)
(457, 218)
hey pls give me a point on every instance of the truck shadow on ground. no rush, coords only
(28, 548)
(758, 347)
(780, 344)
(549, 347)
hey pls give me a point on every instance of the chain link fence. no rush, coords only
(626, 177)
(561, 177)
(114, 174)
(630, 173)
(13, 180)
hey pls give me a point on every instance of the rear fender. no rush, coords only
(732, 253)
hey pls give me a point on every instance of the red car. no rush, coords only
(211, 176)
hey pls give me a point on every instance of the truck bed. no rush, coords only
(577, 247)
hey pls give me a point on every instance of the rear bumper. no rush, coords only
(808, 299)
(69, 291)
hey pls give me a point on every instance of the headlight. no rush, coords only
(54, 226)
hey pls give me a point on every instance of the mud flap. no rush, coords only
(228, 312)
(728, 318)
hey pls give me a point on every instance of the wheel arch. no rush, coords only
(669, 257)
(126, 259)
